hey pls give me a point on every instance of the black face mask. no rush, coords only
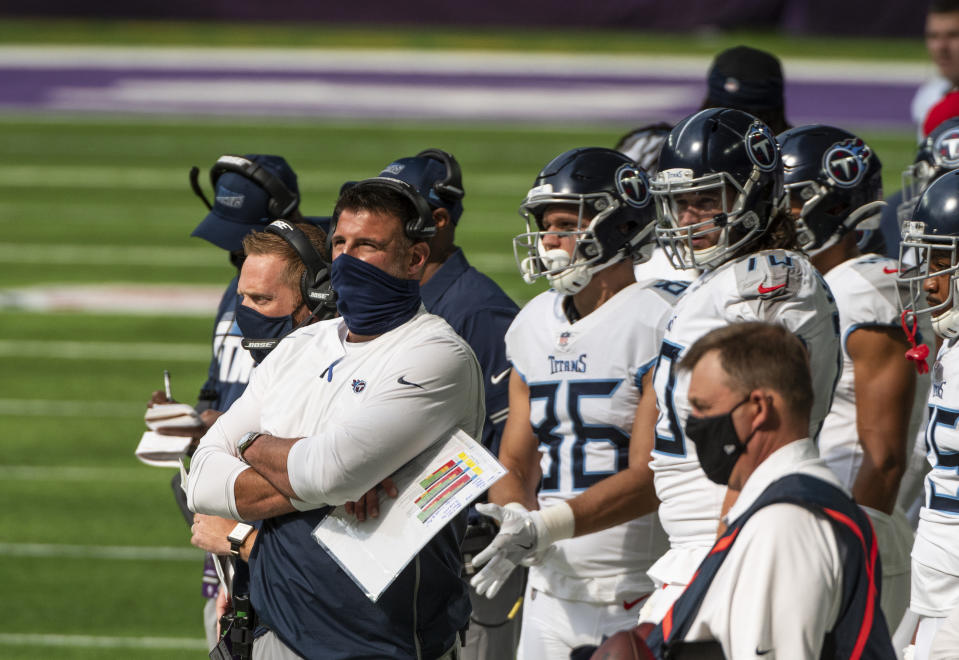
(717, 443)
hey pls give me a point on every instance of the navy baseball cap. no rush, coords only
(240, 205)
(747, 79)
(423, 173)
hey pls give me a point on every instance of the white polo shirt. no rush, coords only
(362, 409)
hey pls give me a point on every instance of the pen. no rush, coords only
(166, 384)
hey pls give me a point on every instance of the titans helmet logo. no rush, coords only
(632, 185)
(762, 148)
(846, 162)
(946, 149)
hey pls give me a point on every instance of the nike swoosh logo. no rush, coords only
(758, 652)
(770, 289)
(889, 271)
(632, 604)
(498, 378)
(524, 547)
(402, 381)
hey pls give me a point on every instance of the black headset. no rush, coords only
(420, 228)
(282, 200)
(450, 189)
(315, 283)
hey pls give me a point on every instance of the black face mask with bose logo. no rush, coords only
(717, 443)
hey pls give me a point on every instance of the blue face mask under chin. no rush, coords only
(370, 300)
(254, 325)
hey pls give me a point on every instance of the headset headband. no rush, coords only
(315, 283)
(421, 228)
(450, 189)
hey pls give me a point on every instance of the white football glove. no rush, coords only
(523, 538)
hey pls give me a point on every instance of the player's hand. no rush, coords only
(369, 504)
(222, 603)
(521, 540)
(158, 396)
(209, 533)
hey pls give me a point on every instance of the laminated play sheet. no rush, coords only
(433, 488)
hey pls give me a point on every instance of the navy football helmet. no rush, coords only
(933, 232)
(610, 194)
(838, 179)
(938, 153)
(719, 152)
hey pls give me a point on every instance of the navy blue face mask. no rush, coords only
(256, 326)
(370, 300)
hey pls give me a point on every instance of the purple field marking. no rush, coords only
(28, 88)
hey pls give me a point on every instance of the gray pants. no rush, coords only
(491, 634)
(269, 647)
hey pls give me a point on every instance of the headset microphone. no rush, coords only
(197, 190)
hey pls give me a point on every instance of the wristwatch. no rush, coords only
(247, 440)
(238, 536)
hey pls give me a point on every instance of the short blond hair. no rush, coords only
(266, 242)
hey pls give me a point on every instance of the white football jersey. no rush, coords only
(584, 381)
(775, 286)
(659, 267)
(867, 295)
(937, 539)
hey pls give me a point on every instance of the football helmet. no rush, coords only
(933, 232)
(838, 179)
(724, 153)
(610, 194)
(938, 153)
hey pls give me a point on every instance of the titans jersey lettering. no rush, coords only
(576, 365)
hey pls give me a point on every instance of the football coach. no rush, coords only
(334, 409)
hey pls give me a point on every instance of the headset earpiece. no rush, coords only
(315, 282)
(283, 201)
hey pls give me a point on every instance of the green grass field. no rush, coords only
(95, 557)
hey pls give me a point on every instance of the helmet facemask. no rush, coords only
(731, 226)
(915, 179)
(825, 217)
(917, 252)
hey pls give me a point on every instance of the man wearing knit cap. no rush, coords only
(748, 79)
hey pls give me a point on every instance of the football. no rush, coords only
(624, 645)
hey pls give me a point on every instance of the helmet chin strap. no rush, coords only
(571, 279)
(946, 325)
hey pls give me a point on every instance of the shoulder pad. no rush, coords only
(767, 275)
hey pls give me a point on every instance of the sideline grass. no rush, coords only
(119, 185)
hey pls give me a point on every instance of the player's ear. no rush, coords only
(419, 253)
(766, 415)
(442, 218)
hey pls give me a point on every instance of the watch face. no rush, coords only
(239, 533)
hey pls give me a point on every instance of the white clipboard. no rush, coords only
(433, 488)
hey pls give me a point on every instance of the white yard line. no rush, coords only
(70, 473)
(104, 350)
(55, 408)
(434, 61)
(111, 552)
(103, 642)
